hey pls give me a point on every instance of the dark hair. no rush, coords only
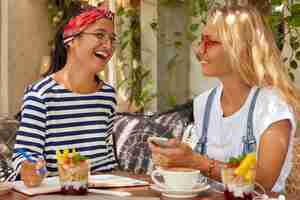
(59, 52)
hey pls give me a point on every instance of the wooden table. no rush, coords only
(138, 193)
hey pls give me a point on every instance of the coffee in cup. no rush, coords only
(177, 178)
(181, 169)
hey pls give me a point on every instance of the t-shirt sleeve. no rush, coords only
(271, 108)
(30, 137)
(109, 135)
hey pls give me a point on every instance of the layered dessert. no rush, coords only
(238, 177)
(73, 170)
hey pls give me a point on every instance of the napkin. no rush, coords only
(51, 185)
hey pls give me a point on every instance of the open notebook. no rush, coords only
(51, 185)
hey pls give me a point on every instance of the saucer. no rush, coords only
(5, 188)
(184, 193)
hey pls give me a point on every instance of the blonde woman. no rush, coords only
(252, 109)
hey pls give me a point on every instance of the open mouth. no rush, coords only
(102, 55)
(203, 62)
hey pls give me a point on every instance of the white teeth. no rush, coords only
(203, 62)
(101, 53)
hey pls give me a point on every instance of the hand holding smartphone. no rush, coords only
(159, 141)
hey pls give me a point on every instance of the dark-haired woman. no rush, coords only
(71, 107)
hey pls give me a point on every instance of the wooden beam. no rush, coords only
(4, 105)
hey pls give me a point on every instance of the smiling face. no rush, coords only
(211, 54)
(93, 48)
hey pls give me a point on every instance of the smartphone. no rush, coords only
(168, 135)
(159, 141)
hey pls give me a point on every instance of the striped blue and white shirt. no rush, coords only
(54, 118)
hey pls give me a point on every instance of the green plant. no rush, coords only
(283, 16)
(60, 10)
(137, 81)
(285, 23)
(177, 40)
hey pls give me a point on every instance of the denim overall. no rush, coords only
(249, 142)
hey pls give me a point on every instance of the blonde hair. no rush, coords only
(252, 51)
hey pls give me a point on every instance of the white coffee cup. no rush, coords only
(176, 178)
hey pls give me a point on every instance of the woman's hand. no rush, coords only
(177, 154)
(29, 174)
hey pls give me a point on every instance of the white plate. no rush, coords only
(181, 193)
(5, 188)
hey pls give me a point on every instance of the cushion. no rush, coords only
(131, 132)
(5, 170)
(131, 135)
(8, 128)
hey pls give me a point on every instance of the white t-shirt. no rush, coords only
(224, 135)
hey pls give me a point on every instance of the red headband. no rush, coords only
(78, 23)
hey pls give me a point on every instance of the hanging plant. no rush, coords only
(134, 78)
(283, 17)
(60, 10)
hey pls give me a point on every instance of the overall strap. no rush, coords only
(201, 146)
(249, 139)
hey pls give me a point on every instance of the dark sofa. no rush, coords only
(130, 134)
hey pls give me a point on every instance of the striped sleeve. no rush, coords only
(30, 136)
(109, 140)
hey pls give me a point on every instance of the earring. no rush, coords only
(70, 44)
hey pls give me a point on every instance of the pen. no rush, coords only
(40, 166)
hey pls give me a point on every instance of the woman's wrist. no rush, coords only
(211, 167)
(208, 167)
(200, 162)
